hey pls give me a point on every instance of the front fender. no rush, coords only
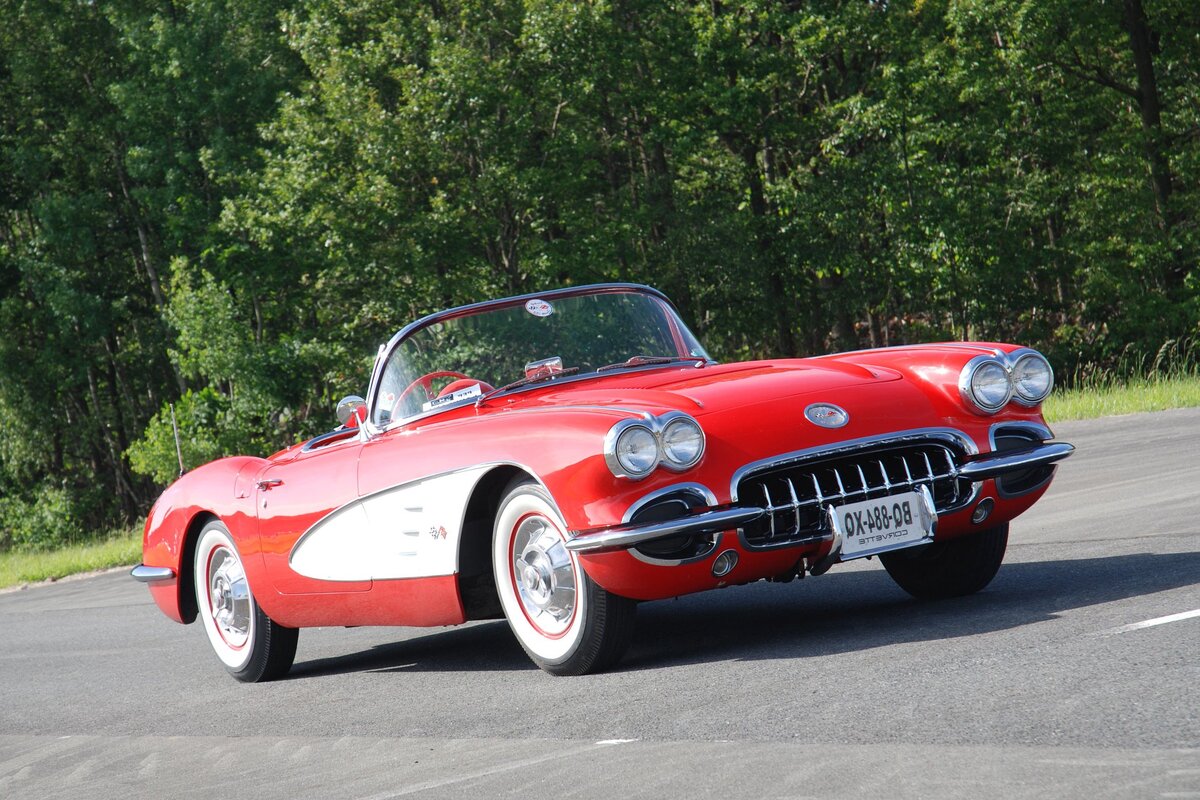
(222, 489)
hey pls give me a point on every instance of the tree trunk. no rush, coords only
(1150, 108)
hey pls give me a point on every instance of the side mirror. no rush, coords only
(351, 410)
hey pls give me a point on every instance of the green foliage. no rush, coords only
(205, 434)
(46, 518)
(229, 204)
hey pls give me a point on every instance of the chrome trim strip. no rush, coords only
(952, 435)
(1042, 432)
(1015, 460)
(621, 537)
(146, 574)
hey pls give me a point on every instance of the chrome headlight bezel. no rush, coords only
(656, 427)
(676, 420)
(1017, 358)
(966, 383)
(612, 442)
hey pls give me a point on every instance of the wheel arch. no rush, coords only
(188, 608)
(476, 584)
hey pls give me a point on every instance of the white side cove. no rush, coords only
(408, 531)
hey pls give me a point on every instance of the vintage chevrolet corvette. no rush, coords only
(556, 458)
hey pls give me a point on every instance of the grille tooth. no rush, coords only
(831, 480)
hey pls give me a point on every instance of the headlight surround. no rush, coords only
(634, 447)
(637, 450)
(682, 442)
(1032, 377)
(986, 384)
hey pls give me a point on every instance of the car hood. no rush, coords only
(712, 389)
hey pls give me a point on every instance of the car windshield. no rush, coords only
(463, 357)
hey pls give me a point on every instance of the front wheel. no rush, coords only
(565, 622)
(251, 645)
(955, 568)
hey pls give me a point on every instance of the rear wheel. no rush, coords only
(954, 568)
(251, 645)
(565, 622)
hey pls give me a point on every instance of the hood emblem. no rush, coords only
(827, 415)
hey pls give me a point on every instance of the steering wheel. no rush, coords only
(426, 383)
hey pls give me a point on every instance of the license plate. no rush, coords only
(883, 524)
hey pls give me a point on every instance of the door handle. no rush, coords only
(269, 484)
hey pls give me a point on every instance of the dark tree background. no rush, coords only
(228, 204)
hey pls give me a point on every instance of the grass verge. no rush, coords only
(1107, 398)
(123, 548)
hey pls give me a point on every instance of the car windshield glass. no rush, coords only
(464, 357)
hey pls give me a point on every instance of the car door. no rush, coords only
(308, 525)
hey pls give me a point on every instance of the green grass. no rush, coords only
(1105, 398)
(124, 548)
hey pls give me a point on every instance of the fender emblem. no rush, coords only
(827, 415)
(438, 532)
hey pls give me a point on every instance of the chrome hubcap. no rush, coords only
(544, 574)
(229, 597)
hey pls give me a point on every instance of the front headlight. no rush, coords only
(634, 447)
(1032, 377)
(631, 450)
(986, 384)
(682, 442)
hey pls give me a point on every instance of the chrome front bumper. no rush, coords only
(623, 537)
(994, 465)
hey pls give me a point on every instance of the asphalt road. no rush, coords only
(1044, 685)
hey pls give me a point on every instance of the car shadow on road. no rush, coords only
(836, 613)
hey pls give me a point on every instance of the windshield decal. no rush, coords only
(454, 397)
(539, 308)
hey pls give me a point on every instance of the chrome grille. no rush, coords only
(796, 495)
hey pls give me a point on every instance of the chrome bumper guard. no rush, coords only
(622, 537)
(995, 464)
(151, 574)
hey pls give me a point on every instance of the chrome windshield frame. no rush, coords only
(370, 429)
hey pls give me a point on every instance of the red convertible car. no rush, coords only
(556, 458)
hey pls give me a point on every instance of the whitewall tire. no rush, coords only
(250, 645)
(565, 622)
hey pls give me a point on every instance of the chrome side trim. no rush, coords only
(621, 537)
(951, 435)
(1015, 460)
(146, 574)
